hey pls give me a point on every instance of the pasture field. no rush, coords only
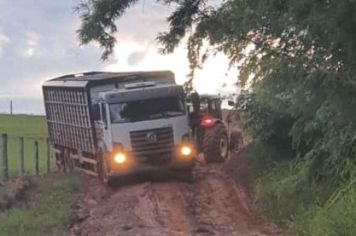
(45, 209)
(31, 128)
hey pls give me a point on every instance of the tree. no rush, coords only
(98, 25)
(300, 55)
(98, 21)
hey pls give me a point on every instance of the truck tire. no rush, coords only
(215, 144)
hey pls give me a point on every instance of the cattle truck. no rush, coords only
(110, 124)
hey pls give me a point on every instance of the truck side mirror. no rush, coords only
(231, 103)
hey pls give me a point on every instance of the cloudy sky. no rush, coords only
(38, 42)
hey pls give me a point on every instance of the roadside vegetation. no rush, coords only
(45, 209)
(297, 58)
(31, 128)
(301, 114)
(34, 205)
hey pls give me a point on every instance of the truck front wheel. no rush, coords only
(215, 144)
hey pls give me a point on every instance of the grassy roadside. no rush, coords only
(285, 195)
(32, 128)
(47, 209)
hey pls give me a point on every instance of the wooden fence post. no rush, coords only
(5, 167)
(48, 155)
(22, 157)
(36, 158)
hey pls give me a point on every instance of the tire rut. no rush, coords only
(211, 205)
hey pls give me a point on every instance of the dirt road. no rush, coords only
(210, 205)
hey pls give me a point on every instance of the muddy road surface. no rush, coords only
(210, 205)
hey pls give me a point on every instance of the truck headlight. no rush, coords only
(186, 150)
(120, 158)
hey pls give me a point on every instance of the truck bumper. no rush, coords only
(174, 166)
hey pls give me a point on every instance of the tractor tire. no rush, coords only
(215, 144)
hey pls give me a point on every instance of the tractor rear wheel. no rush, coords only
(215, 144)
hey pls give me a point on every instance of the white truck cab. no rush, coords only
(147, 123)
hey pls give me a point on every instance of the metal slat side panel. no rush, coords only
(92, 138)
(68, 117)
(46, 96)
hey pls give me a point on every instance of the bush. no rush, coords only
(329, 220)
(286, 196)
(303, 155)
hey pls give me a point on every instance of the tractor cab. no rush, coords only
(211, 106)
(208, 105)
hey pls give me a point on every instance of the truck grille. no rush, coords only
(154, 146)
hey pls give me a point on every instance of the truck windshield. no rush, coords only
(148, 109)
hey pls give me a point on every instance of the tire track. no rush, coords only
(211, 205)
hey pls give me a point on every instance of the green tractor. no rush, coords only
(209, 130)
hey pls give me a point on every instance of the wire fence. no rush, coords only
(21, 156)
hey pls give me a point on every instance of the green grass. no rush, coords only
(32, 128)
(23, 125)
(330, 219)
(285, 195)
(308, 210)
(47, 209)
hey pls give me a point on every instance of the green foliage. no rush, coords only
(98, 22)
(47, 210)
(285, 192)
(336, 219)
